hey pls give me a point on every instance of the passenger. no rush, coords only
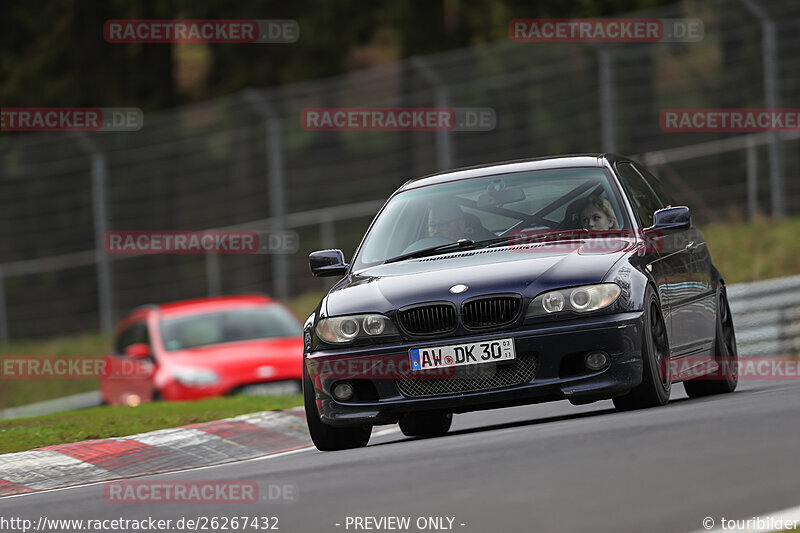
(447, 220)
(597, 214)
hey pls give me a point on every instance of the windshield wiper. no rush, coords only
(490, 243)
(433, 250)
(461, 244)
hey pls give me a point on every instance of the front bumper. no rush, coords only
(556, 347)
(172, 390)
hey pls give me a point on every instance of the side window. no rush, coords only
(658, 187)
(133, 334)
(644, 200)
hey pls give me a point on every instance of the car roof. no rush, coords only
(598, 160)
(212, 303)
(196, 305)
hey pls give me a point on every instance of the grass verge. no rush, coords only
(104, 422)
(755, 250)
(16, 392)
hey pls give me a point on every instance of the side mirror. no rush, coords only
(672, 218)
(139, 349)
(327, 263)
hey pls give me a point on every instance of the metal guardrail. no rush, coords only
(766, 315)
(83, 400)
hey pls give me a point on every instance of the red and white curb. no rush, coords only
(166, 450)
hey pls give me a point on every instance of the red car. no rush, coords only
(206, 347)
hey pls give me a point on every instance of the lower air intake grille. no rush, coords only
(469, 378)
(428, 319)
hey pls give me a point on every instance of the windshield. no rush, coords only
(492, 207)
(228, 326)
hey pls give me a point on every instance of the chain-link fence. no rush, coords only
(246, 161)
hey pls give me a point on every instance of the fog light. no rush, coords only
(595, 361)
(343, 391)
(133, 400)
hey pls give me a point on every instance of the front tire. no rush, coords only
(725, 353)
(425, 424)
(656, 383)
(329, 438)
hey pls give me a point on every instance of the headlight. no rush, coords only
(578, 299)
(344, 329)
(374, 324)
(195, 377)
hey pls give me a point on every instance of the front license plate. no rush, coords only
(274, 388)
(473, 353)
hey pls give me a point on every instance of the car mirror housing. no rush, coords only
(672, 218)
(496, 198)
(139, 349)
(327, 263)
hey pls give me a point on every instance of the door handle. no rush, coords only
(692, 246)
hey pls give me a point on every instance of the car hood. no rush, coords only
(242, 354)
(526, 270)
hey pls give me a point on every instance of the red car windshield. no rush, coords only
(189, 331)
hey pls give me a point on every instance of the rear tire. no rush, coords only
(425, 424)
(726, 378)
(656, 383)
(329, 438)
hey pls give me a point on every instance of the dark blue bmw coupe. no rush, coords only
(571, 277)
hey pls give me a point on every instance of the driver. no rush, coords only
(598, 214)
(447, 220)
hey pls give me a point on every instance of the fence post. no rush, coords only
(100, 216)
(327, 235)
(441, 97)
(605, 67)
(752, 178)
(772, 97)
(275, 175)
(3, 311)
(213, 278)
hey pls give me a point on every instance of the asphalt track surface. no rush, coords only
(550, 467)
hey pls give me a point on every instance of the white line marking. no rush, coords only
(174, 438)
(387, 431)
(28, 468)
(280, 454)
(308, 448)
